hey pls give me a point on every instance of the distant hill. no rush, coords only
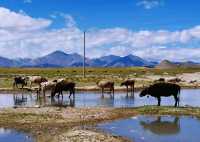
(103, 61)
(128, 61)
(166, 64)
(61, 59)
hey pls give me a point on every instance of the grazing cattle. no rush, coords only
(162, 127)
(49, 85)
(37, 80)
(163, 89)
(127, 83)
(19, 80)
(64, 86)
(103, 84)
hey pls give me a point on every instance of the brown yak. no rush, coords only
(103, 84)
(127, 83)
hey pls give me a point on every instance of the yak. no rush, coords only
(37, 80)
(103, 84)
(127, 83)
(19, 80)
(64, 86)
(158, 90)
(49, 85)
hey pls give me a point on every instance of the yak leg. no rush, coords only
(127, 90)
(102, 92)
(70, 93)
(159, 100)
(133, 89)
(44, 92)
(176, 100)
(113, 91)
(73, 93)
(60, 93)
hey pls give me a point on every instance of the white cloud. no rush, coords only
(149, 4)
(24, 36)
(17, 21)
(69, 20)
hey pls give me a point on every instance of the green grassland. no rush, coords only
(92, 74)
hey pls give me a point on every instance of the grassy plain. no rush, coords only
(92, 74)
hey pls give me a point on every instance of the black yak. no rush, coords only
(19, 80)
(163, 89)
(64, 86)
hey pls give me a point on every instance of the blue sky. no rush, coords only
(168, 14)
(152, 29)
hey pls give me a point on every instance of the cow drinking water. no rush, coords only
(162, 89)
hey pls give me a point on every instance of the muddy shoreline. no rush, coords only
(68, 124)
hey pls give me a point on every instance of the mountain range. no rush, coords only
(61, 59)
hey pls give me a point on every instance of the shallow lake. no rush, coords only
(188, 97)
(155, 128)
(9, 135)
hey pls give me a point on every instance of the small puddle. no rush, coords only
(188, 97)
(155, 128)
(10, 135)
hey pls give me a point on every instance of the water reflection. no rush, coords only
(188, 97)
(63, 103)
(162, 127)
(10, 135)
(20, 99)
(155, 128)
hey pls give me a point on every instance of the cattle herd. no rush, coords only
(158, 89)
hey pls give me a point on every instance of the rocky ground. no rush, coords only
(69, 124)
(79, 135)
